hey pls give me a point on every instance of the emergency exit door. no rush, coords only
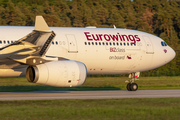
(72, 45)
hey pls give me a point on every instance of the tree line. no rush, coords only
(158, 17)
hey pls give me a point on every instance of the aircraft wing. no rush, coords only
(30, 49)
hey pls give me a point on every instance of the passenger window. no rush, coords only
(110, 43)
(117, 43)
(127, 44)
(0, 42)
(56, 43)
(96, 43)
(8, 41)
(92, 43)
(103, 43)
(121, 44)
(11, 41)
(114, 43)
(99, 43)
(85, 43)
(106, 43)
(124, 44)
(4, 42)
(89, 43)
(53, 43)
(134, 44)
(64, 43)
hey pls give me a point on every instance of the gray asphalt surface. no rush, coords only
(40, 95)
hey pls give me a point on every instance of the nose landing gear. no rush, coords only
(132, 86)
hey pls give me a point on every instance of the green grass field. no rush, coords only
(111, 109)
(102, 109)
(93, 83)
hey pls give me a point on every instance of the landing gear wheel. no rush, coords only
(128, 86)
(134, 87)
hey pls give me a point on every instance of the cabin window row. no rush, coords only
(6, 42)
(58, 43)
(9, 42)
(109, 43)
(55, 43)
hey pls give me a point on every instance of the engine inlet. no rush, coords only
(30, 74)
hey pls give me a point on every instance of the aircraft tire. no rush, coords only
(129, 87)
(134, 87)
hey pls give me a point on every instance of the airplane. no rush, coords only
(63, 56)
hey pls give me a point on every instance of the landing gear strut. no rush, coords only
(132, 86)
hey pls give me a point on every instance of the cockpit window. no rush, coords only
(163, 43)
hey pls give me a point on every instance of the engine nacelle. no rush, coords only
(58, 73)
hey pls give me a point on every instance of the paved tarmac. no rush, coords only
(41, 95)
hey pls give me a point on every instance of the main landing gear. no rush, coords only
(132, 86)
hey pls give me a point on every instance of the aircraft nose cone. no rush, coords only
(171, 54)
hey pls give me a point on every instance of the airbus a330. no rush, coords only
(63, 56)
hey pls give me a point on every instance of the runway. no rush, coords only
(42, 95)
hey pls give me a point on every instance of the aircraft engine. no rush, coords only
(58, 73)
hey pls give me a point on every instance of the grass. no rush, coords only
(107, 109)
(93, 83)
(111, 109)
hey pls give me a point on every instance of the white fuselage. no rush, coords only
(102, 50)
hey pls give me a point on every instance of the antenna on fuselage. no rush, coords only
(114, 26)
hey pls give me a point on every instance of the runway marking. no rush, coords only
(40, 95)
